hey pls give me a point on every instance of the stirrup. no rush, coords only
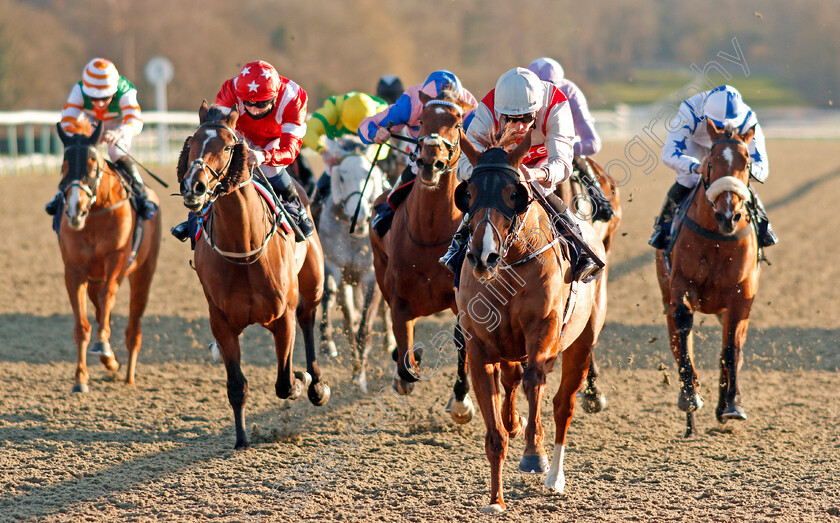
(587, 271)
(181, 231)
(53, 206)
(448, 260)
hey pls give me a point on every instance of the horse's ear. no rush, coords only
(424, 98)
(712, 129)
(747, 136)
(61, 134)
(468, 149)
(183, 159)
(462, 197)
(202, 111)
(97, 133)
(232, 116)
(466, 107)
(515, 156)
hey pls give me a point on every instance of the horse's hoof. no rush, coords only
(80, 387)
(319, 393)
(594, 402)
(329, 349)
(461, 411)
(361, 381)
(533, 464)
(403, 388)
(242, 445)
(102, 348)
(734, 412)
(555, 481)
(111, 363)
(690, 404)
(304, 377)
(215, 352)
(495, 508)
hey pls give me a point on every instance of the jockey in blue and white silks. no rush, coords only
(688, 143)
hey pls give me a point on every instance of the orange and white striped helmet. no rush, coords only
(99, 79)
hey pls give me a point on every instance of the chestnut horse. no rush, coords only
(251, 272)
(574, 193)
(524, 310)
(406, 259)
(96, 239)
(713, 268)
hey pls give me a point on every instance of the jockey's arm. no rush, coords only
(132, 118)
(393, 118)
(675, 156)
(760, 167)
(588, 142)
(559, 142)
(72, 111)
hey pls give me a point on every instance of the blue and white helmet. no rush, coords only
(439, 80)
(725, 107)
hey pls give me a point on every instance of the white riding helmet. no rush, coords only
(519, 91)
(725, 107)
(100, 78)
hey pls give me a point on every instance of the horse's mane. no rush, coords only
(81, 126)
(448, 93)
(503, 138)
(215, 114)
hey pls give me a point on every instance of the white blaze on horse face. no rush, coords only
(73, 202)
(488, 245)
(727, 155)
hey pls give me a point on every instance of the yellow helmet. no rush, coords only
(355, 109)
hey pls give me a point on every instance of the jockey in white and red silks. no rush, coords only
(524, 103)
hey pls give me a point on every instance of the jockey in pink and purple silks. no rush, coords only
(405, 114)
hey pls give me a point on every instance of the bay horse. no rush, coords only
(96, 236)
(713, 268)
(348, 258)
(524, 311)
(250, 271)
(406, 259)
(574, 193)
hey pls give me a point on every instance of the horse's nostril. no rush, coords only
(492, 259)
(199, 188)
(737, 217)
(472, 259)
(440, 165)
(719, 216)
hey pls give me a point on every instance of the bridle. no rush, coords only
(199, 163)
(89, 189)
(436, 139)
(707, 179)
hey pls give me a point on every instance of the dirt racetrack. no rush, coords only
(163, 449)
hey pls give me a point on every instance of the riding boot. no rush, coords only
(588, 266)
(662, 224)
(766, 236)
(145, 208)
(54, 205)
(293, 205)
(459, 242)
(601, 210)
(381, 222)
(181, 231)
(322, 188)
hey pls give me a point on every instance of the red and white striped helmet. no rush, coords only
(100, 78)
(258, 81)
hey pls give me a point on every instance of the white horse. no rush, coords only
(348, 259)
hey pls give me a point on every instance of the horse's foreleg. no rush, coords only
(318, 391)
(534, 460)
(575, 366)
(76, 287)
(104, 296)
(407, 358)
(363, 341)
(288, 385)
(389, 343)
(511, 377)
(496, 440)
(682, 344)
(237, 386)
(140, 282)
(735, 323)
(328, 347)
(347, 302)
(460, 406)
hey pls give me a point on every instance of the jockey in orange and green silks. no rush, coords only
(105, 96)
(339, 117)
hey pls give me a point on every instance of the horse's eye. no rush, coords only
(228, 147)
